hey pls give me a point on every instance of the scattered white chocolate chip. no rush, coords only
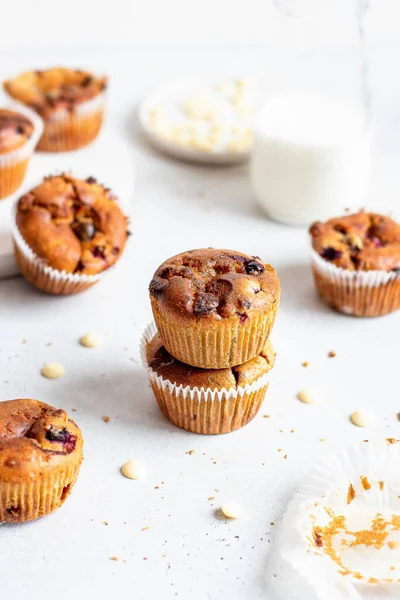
(363, 418)
(91, 340)
(133, 469)
(52, 370)
(306, 397)
(232, 510)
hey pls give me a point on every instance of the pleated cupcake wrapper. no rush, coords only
(231, 342)
(359, 293)
(71, 130)
(358, 483)
(13, 164)
(204, 410)
(45, 277)
(37, 497)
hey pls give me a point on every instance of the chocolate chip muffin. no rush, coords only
(356, 263)
(71, 102)
(41, 451)
(208, 400)
(69, 231)
(214, 309)
(19, 134)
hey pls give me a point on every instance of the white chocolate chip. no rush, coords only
(232, 510)
(91, 340)
(52, 370)
(134, 469)
(363, 418)
(306, 397)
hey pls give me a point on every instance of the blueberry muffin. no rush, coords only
(356, 263)
(68, 232)
(18, 136)
(208, 401)
(71, 103)
(214, 309)
(41, 451)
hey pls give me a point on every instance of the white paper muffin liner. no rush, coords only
(25, 151)
(12, 172)
(360, 293)
(220, 411)
(347, 560)
(58, 282)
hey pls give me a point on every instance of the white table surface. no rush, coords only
(187, 551)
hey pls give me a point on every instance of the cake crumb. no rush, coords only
(272, 523)
(114, 558)
(211, 498)
(105, 522)
(390, 441)
(190, 452)
(106, 419)
(266, 416)
(305, 363)
(145, 528)
(331, 354)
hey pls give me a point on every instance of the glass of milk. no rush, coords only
(311, 157)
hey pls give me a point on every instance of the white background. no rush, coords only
(48, 23)
(176, 207)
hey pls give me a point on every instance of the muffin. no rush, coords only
(206, 401)
(68, 232)
(40, 456)
(20, 130)
(214, 309)
(356, 263)
(71, 103)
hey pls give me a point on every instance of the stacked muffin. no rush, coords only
(209, 361)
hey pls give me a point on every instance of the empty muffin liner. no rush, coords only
(358, 293)
(218, 345)
(44, 277)
(341, 531)
(26, 501)
(71, 130)
(204, 410)
(13, 164)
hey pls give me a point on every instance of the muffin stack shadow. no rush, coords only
(208, 355)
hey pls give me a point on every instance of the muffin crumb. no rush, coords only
(331, 354)
(106, 419)
(305, 363)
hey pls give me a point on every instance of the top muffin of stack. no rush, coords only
(214, 308)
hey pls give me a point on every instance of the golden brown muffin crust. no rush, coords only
(15, 130)
(35, 436)
(215, 284)
(73, 225)
(54, 90)
(168, 367)
(359, 242)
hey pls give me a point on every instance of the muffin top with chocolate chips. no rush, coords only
(35, 436)
(55, 89)
(72, 225)
(359, 242)
(168, 367)
(15, 130)
(214, 284)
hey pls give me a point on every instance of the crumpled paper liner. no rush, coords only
(357, 293)
(204, 410)
(341, 530)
